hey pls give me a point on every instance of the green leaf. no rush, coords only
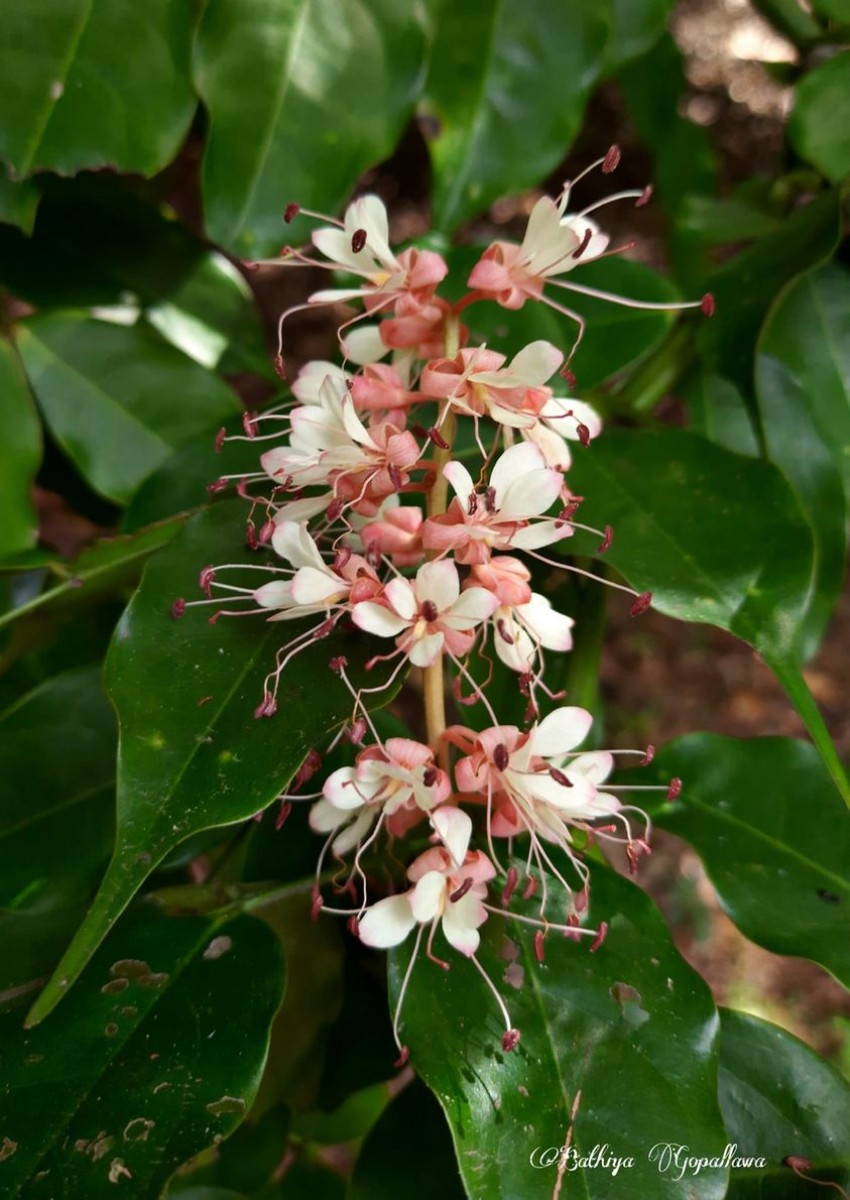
(118, 400)
(838, 10)
(331, 88)
(94, 85)
(105, 567)
(507, 89)
(100, 242)
(746, 287)
(774, 837)
(158, 1053)
(817, 126)
(18, 201)
(635, 28)
(779, 1098)
(616, 337)
(383, 1167)
(20, 456)
(192, 756)
(792, 19)
(632, 1020)
(803, 393)
(716, 537)
(718, 412)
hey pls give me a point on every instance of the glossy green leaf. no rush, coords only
(803, 393)
(117, 399)
(506, 92)
(779, 1098)
(100, 242)
(746, 287)
(192, 755)
(331, 87)
(105, 567)
(774, 837)
(616, 337)
(20, 455)
(817, 126)
(838, 10)
(18, 201)
(631, 1026)
(715, 537)
(94, 85)
(792, 19)
(635, 28)
(383, 1167)
(718, 412)
(158, 1053)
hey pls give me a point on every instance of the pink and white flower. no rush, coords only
(560, 421)
(315, 586)
(476, 382)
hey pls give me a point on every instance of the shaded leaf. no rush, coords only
(774, 837)
(104, 567)
(718, 412)
(803, 392)
(507, 88)
(634, 1011)
(635, 28)
(817, 127)
(159, 1052)
(192, 755)
(307, 126)
(716, 537)
(118, 400)
(20, 455)
(779, 1098)
(94, 85)
(18, 201)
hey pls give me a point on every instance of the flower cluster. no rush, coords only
(405, 493)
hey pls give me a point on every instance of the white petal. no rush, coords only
(368, 213)
(561, 731)
(354, 833)
(438, 582)
(335, 244)
(541, 533)
(518, 655)
(294, 543)
(340, 791)
(552, 629)
(325, 817)
(461, 919)
(595, 766)
(364, 345)
(277, 594)
(425, 649)
(460, 479)
(454, 827)
(338, 295)
(387, 923)
(374, 618)
(517, 461)
(532, 494)
(536, 362)
(308, 382)
(471, 608)
(426, 898)
(402, 597)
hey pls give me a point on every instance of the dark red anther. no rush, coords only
(178, 608)
(642, 604)
(525, 680)
(510, 886)
(531, 713)
(251, 535)
(572, 932)
(338, 664)
(358, 240)
(353, 926)
(219, 439)
(429, 611)
(510, 1040)
(280, 366)
(283, 815)
(567, 374)
(501, 758)
(530, 887)
(205, 579)
(242, 490)
(607, 539)
(217, 485)
(611, 160)
(266, 531)
(267, 707)
(308, 769)
(430, 776)
(334, 509)
(317, 903)
(649, 755)
(560, 777)
(538, 946)
(583, 244)
(490, 499)
(357, 731)
(402, 1058)
(797, 1162)
(437, 438)
(341, 558)
(291, 212)
(419, 430)
(460, 892)
(503, 631)
(707, 305)
(583, 434)
(674, 790)
(395, 476)
(600, 937)
(582, 900)
(373, 554)
(633, 857)
(645, 196)
(472, 504)
(567, 512)
(249, 424)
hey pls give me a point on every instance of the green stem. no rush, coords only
(655, 378)
(801, 697)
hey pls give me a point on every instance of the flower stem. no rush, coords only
(433, 682)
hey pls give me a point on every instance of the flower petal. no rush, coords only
(561, 731)
(426, 897)
(377, 619)
(438, 582)
(387, 923)
(454, 828)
